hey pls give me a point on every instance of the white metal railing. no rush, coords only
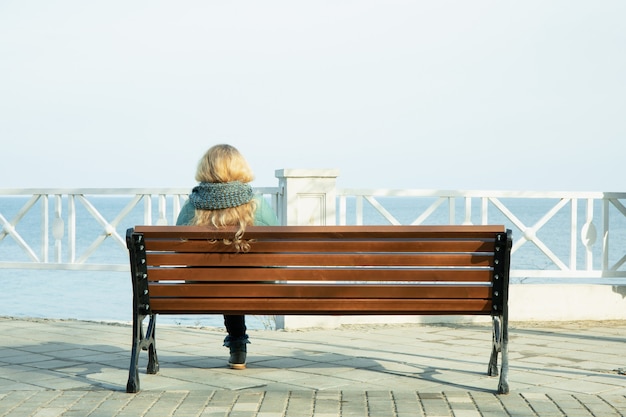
(557, 235)
(72, 227)
(562, 231)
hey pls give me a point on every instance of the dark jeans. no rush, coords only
(235, 326)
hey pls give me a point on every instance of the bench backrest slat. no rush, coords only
(322, 291)
(239, 275)
(326, 232)
(267, 246)
(313, 306)
(388, 259)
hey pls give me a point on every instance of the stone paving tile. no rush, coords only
(302, 403)
(541, 404)
(70, 368)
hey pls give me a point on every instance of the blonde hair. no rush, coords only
(221, 164)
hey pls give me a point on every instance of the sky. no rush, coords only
(446, 94)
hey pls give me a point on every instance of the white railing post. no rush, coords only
(58, 228)
(309, 196)
(71, 228)
(45, 226)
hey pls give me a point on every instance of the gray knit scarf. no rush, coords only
(220, 195)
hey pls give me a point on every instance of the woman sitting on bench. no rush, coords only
(224, 197)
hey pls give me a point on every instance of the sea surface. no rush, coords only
(107, 295)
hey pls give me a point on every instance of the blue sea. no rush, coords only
(107, 295)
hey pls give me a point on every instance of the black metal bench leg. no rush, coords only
(503, 385)
(497, 346)
(132, 386)
(153, 360)
(500, 345)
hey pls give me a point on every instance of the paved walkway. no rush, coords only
(71, 368)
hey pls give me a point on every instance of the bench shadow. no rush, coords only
(62, 366)
(562, 334)
(419, 367)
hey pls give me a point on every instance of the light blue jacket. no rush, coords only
(263, 216)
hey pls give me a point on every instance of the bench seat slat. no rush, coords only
(318, 306)
(317, 259)
(308, 274)
(320, 291)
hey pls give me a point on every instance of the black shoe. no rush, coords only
(238, 350)
(237, 358)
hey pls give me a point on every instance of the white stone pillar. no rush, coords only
(309, 196)
(309, 199)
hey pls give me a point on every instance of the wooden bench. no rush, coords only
(320, 270)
